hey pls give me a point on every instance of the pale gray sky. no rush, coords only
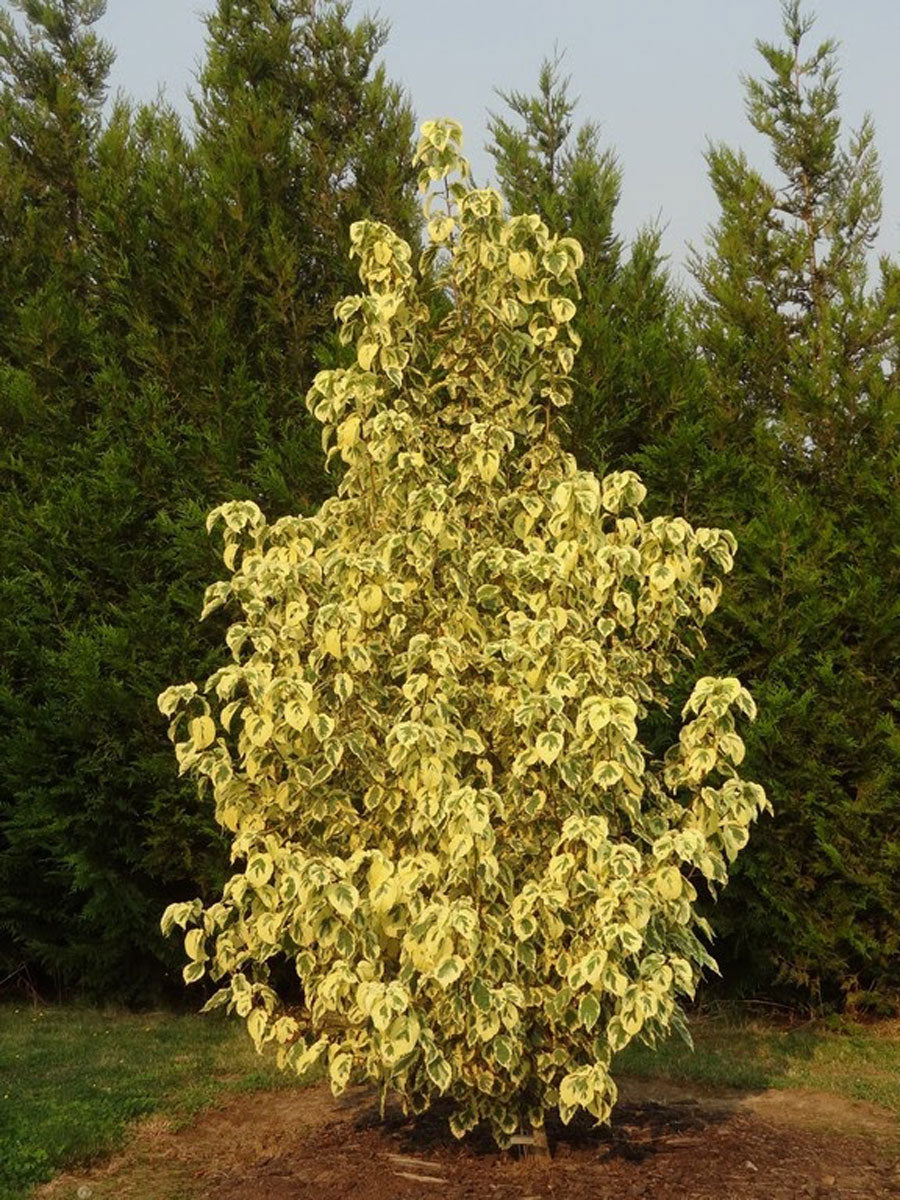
(659, 76)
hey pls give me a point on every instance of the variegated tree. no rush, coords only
(427, 744)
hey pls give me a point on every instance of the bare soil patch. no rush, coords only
(666, 1142)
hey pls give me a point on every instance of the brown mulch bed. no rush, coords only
(665, 1143)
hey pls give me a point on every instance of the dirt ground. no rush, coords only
(665, 1143)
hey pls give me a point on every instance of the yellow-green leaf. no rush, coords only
(203, 732)
(370, 598)
(521, 264)
(549, 747)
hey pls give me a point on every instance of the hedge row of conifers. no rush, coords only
(165, 299)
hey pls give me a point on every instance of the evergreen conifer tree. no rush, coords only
(801, 459)
(53, 71)
(52, 87)
(170, 347)
(299, 135)
(636, 368)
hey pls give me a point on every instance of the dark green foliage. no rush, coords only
(162, 303)
(299, 135)
(801, 461)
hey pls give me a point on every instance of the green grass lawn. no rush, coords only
(856, 1061)
(72, 1079)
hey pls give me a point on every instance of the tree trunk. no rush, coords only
(534, 1144)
